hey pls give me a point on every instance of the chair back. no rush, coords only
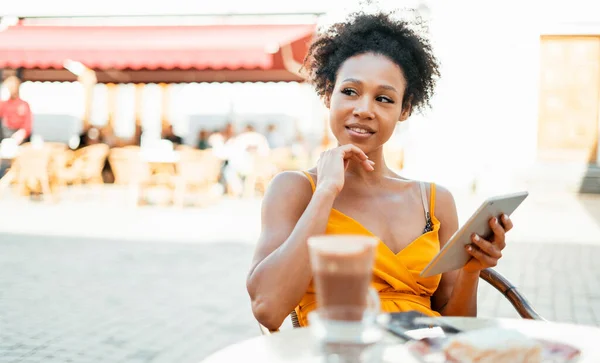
(510, 292)
(198, 167)
(33, 163)
(128, 166)
(92, 159)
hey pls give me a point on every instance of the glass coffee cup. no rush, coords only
(347, 305)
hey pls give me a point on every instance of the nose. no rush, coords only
(364, 109)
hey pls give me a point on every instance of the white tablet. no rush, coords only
(453, 255)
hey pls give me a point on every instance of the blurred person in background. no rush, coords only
(218, 141)
(203, 138)
(170, 135)
(15, 113)
(251, 141)
(228, 131)
(244, 153)
(275, 137)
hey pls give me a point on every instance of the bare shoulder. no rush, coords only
(288, 189)
(444, 200)
(445, 212)
(284, 202)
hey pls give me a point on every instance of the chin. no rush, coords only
(366, 147)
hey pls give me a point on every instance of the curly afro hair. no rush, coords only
(379, 34)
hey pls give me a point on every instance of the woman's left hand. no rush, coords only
(487, 253)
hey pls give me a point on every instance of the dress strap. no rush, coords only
(428, 222)
(432, 196)
(424, 199)
(310, 179)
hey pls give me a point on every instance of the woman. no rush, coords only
(372, 72)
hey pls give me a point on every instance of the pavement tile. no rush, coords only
(151, 296)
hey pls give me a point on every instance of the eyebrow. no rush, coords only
(384, 86)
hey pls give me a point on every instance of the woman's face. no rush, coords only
(366, 101)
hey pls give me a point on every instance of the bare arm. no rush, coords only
(280, 271)
(457, 292)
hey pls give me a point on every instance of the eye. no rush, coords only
(384, 99)
(349, 92)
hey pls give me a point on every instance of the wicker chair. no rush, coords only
(492, 277)
(518, 301)
(32, 171)
(91, 161)
(197, 170)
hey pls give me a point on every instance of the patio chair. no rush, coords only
(510, 292)
(197, 170)
(62, 171)
(492, 277)
(32, 171)
(91, 161)
(130, 170)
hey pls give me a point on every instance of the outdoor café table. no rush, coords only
(159, 156)
(161, 163)
(296, 345)
(8, 152)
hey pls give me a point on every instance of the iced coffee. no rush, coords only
(342, 268)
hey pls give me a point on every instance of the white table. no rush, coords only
(297, 345)
(160, 156)
(9, 149)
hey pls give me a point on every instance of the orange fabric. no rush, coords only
(395, 276)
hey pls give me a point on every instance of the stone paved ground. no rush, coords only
(562, 282)
(90, 280)
(70, 300)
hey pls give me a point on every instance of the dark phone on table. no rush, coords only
(401, 324)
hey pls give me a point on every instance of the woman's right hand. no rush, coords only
(333, 163)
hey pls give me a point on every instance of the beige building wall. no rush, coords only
(482, 128)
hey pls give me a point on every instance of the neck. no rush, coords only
(380, 166)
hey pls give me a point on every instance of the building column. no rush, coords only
(111, 90)
(139, 103)
(88, 80)
(165, 109)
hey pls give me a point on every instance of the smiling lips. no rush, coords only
(360, 131)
